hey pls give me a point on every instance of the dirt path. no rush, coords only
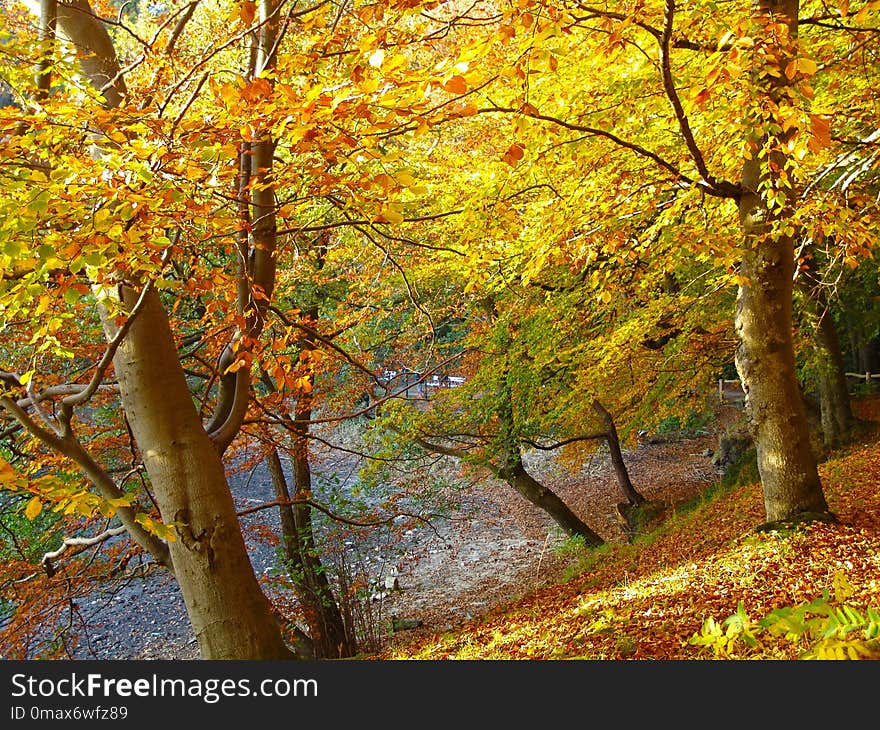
(508, 547)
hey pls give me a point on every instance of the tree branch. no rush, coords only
(722, 187)
(619, 141)
(71, 448)
(70, 401)
(560, 444)
(78, 542)
(332, 515)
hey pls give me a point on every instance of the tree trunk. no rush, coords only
(515, 474)
(620, 470)
(230, 615)
(327, 629)
(834, 402)
(536, 493)
(765, 355)
(766, 364)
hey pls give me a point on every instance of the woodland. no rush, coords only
(385, 254)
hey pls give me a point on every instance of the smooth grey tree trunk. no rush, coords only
(230, 615)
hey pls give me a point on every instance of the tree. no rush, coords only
(163, 220)
(698, 148)
(230, 615)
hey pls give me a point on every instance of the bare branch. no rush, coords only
(81, 543)
(619, 141)
(336, 517)
(69, 402)
(564, 442)
(73, 450)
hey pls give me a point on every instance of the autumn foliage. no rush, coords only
(228, 227)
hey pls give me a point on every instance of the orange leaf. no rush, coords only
(247, 11)
(514, 154)
(456, 85)
(820, 132)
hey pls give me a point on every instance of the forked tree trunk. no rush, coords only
(613, 440)
(514, 473)
(230, 616)
(765, 355)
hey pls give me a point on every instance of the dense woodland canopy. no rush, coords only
(231, 228)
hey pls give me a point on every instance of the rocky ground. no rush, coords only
(490, 548)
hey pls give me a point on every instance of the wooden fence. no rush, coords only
(736, 395)
(863, 376)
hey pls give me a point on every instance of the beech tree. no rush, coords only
(182, 455)
(158, 169)
(722, 114)
(636, 188)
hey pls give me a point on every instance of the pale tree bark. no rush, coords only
(765, 355)
(230, 615)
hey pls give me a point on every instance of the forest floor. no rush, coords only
(657, 597)
(496, 580)
(490, 549)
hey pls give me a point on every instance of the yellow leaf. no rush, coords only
(34, 507)
(43, 304)
(807, 66)
(389, 215)
(7, 473)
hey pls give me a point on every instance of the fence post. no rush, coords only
(720, 390)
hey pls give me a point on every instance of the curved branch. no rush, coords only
(78, 542)
(683, 43)
(73, 450)
(316, 336)
(723, 187)
(68, 403)
(717, 192)
(564, 442)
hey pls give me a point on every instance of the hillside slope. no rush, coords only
(649, 599)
